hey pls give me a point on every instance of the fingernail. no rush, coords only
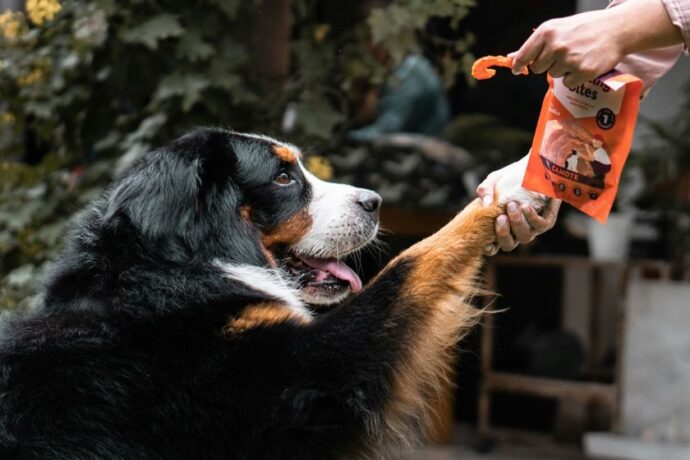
(503, 220)
(487, 200)
(512, 207)
(489, 248)
(516, 70)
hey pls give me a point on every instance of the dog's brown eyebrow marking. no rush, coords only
(285, 154)
(245, 212)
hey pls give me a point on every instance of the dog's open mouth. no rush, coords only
(322, 280)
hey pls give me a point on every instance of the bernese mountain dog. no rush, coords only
(201, 310)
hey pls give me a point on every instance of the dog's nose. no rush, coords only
(369, 201)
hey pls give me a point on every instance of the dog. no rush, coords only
(201, 310)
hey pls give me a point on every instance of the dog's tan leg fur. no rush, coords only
(428, 314)
(442, 281)
(263, 314)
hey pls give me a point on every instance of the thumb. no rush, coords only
(528, 52)
(485, 190)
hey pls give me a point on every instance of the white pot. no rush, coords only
(610, 241)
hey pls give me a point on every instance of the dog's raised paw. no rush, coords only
(509, 187)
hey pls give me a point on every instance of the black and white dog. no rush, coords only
(188, 318)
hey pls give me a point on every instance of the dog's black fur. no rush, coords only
(127, 359)
(147, 348)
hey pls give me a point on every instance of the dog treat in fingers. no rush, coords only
(582, 140)
(481, 69)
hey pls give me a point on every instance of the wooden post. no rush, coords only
(621, 328)
(486, 357)
(270, 45)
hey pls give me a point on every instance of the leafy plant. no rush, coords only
(398, 26)
(665, 156)
(664, 162)
(87, 76)
(329, 66)
(36, 204)
(84, 82)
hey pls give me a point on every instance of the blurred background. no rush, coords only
(590, 356)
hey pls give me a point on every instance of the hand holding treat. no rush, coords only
(523, 224)
(633, 35)
(583, 46)
(582, 139)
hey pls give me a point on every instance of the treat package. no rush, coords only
(582, 140)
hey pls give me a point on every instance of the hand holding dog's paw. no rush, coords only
(522, 224)
(522, 221)
(508, 186)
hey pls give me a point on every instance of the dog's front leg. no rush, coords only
(388, 350)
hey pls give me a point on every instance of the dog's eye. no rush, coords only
(283, 179)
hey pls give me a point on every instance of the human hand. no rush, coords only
(578, 48)
(583, 46)
(522, 223)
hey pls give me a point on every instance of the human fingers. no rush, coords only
(519, 227)
(548, 56)
(573, 79)
(504, 239)
(551, 212)
(546, 221)
(559, 68)
(485, 190)
(528, 52)
(582, 73)
(543, 62)
(490, 249)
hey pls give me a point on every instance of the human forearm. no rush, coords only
(641, 25)
(583, 46)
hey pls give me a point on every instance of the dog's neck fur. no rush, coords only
(95, 252)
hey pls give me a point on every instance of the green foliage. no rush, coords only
(98, 79)
(149, 33)
(665, 157)
(100, 70)
(328, 66)
(397, 25)
(36, 204)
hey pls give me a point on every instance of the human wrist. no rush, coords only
(625, 29)
(642, 25)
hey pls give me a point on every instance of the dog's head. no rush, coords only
(247, 199)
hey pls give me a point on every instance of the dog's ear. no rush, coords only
(159, 195)
(184, 200)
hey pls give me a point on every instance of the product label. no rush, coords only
(587, 99)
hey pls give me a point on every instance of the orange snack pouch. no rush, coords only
(582, 140)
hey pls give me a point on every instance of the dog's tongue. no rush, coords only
(336, 268)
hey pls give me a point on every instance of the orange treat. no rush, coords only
(481, 68)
